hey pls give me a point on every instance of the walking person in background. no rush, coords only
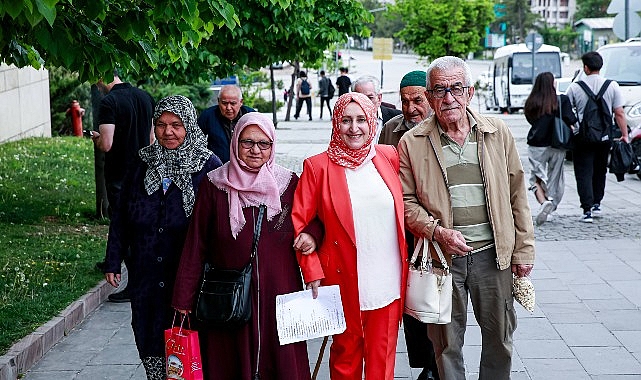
(464, 188)
(323, 91)
(124, 127)
(353, 188)
(151, 222)
(218, 122)
(221, 235)
(303, 94)
(546, 163)
(343, 82)
(371, 87)
(591, 158)
(415, 107)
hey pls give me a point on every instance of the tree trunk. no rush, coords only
(291, 94)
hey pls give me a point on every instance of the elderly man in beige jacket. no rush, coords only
(464, 188)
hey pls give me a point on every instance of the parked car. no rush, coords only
(562, 85)
(621, 63)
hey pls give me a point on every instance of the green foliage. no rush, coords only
(386, 22)
(199, 92)
(174, 41)
(519, 20)
(437, 28)
(563, 38)
(591, 9)
(49, 241)
(264, 106)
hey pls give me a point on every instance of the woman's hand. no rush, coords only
(305, 243)
(113, 279)
(314, 287)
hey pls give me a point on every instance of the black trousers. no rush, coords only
(325, 99)
(299, 106)
(590, 168)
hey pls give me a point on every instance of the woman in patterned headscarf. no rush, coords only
(221, 234)
(354, 189)
(151, 222)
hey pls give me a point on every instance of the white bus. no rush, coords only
(512, 74)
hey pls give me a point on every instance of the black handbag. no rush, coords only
(561, 133)
(225, 298)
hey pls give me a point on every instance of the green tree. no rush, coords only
(563, 38)
(386, 22)
(591, 9)
(519, 20)
(175, 40)
(443, 27)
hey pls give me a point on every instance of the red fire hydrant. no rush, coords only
(76, 113)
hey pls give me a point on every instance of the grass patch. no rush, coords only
(49, 237)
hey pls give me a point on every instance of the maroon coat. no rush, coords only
(230, 354)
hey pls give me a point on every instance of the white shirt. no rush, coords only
(377, 252)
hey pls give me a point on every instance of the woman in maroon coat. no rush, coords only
(221, 234)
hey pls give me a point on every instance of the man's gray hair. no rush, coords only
(368, 79)
(232, 88)
(448, 63)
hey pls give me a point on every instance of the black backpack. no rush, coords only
(596, 124)
(304, 87)
(330, 89)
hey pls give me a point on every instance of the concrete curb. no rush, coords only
(30, 349)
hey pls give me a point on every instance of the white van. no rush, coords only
(622, 63)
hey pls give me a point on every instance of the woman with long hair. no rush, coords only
(546, 162)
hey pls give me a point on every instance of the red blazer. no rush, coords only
(322, 191)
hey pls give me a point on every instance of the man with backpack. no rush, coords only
(326, 91)
(303, 94)
(595, 100)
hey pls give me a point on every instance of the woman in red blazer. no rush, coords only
(354, 189)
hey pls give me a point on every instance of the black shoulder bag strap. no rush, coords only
(257, 227)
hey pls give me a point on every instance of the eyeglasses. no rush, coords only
(456, 90)
(249, 144)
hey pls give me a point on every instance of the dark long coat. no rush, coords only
(153, 228)
(231, 353)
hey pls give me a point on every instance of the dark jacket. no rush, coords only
(388, 113)
(541, 132)
(218, 129)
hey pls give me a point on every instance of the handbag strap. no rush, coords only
(426, 259)
(558, 99)
(257, 228)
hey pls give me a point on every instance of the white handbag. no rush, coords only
(428, 296)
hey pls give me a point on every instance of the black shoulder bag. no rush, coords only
(561, 133)
(225, 297)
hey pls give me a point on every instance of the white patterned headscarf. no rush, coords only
(177, 164)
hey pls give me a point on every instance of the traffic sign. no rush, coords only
(533, 41)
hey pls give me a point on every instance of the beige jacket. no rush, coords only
(427, 198)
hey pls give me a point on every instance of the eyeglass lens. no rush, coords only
(455, 90)
(262, 145)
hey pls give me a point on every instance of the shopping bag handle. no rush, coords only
(182, 321)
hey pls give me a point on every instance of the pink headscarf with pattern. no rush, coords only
(247, 187)
(338, 152)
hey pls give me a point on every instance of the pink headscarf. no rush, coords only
(338, 152)
(247, 187)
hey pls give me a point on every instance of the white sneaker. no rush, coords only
(544, 211)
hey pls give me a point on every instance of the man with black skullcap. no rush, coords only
(415, 109)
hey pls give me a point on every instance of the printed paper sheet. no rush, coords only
(300, 317)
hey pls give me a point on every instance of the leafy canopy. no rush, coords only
(444, 27)
(171, 39)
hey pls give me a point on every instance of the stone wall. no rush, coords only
(24, 103)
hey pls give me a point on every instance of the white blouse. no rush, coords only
(377, 252)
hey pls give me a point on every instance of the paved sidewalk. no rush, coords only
(587, 323)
